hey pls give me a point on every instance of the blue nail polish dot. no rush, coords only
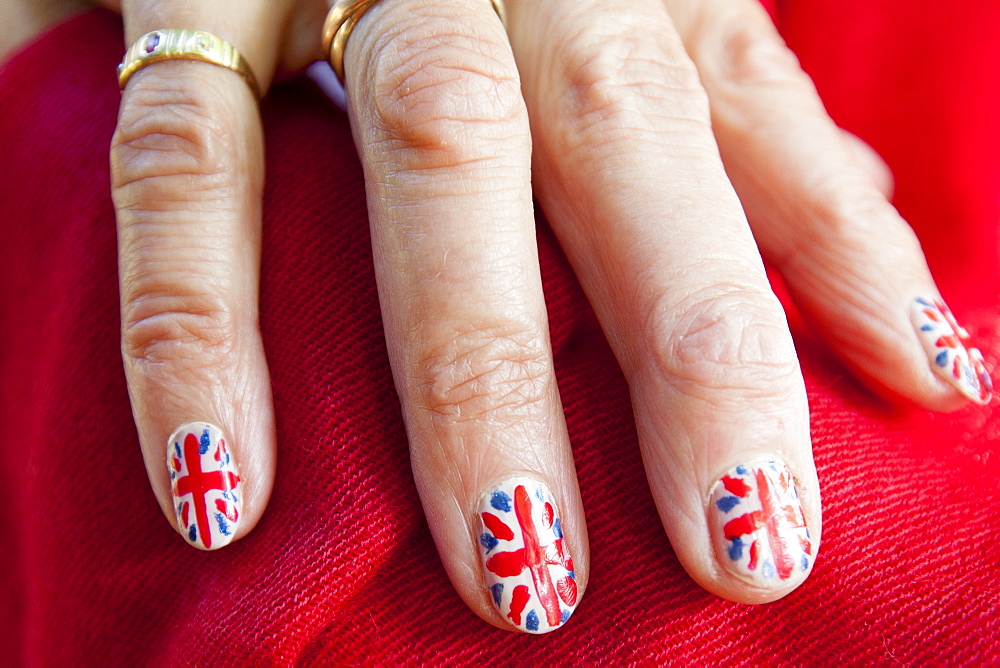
(572, 575)
(177, 449)
(767, 570)
(204, 443)
(805, 562)
(497, 591)
(223, 524)
(927, 328)
(565, 616)
(922, 301)
(539, 494)
(736, 549)
(557, 528)
(193, 533)
(727, 503)
(531, 623)
(488, 541)
(942, 359)
(741, 470)
(500, 501)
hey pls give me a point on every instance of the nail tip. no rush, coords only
(527, 568)
(759, 528)
(943, 341)
(202, 548)
(205, 486)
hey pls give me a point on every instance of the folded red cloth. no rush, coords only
(342, 568)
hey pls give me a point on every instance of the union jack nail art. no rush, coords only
(527, 566)
(758, 526)
(944, 342)
(205, 485)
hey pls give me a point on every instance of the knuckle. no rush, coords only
(846, 214)
(749, 52)
(445, 94)
(623, 76)
(177, 329)
(855, 240)
(173, 136)
(496, 375)
(724, 338)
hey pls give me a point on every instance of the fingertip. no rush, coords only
(759, 534)
(210, 503)
(915, 355)
(759, 529)
(528, 568)
(946, 346)
(205, 485)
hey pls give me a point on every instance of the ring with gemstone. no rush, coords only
(184, 45)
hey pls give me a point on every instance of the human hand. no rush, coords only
(627, 169)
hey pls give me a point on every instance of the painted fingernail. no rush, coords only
(944, 342)
(758, 526)
(205, 485)
(527, 566)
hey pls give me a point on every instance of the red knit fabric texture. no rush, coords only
(342, 568)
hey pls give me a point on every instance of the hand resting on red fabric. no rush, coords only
(630, 106)
(342, 568)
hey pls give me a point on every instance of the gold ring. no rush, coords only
(342, 19)
(184, 45)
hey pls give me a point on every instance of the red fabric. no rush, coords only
(342, 568)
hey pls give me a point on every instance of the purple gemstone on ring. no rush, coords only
(152, 42)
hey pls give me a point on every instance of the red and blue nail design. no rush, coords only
(758, 526)
(944, 341)
(205, 485)
(528, 569)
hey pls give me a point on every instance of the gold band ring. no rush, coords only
(342, 19)
(184, 45)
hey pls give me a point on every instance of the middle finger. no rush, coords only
(442, 130)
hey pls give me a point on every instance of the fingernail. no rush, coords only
(758, 526)
(944, 342)
(527, 565)
(205, 485)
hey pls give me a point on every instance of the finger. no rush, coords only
(187, 175)
(443, 135)
(630, 177)
(872, 163)
(853, 266)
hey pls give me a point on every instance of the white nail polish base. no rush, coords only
(205, 484)
(758, 525)
(526, 564)
(943, 341)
